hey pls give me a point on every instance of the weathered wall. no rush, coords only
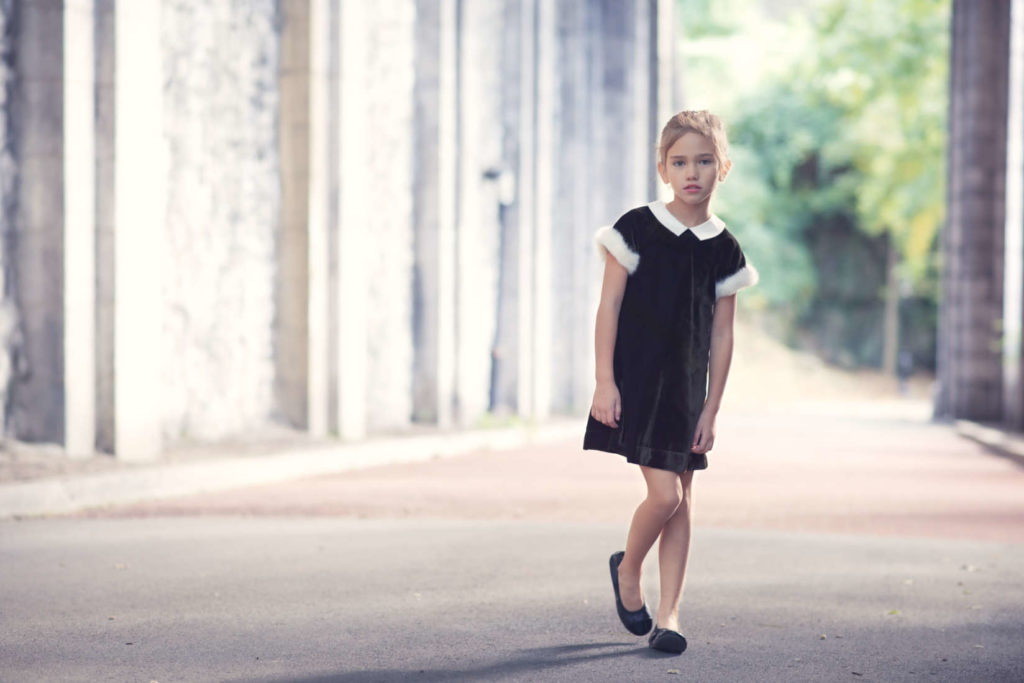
(36, 409)
(481, 155)
(9, 337)
(388, 102)
(427, 193)
(220, 109)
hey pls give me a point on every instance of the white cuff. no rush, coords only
(609, 240)
(747, 276)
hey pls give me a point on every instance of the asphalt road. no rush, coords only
(845, 546)
(342, 600)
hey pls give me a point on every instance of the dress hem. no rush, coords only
(659, 459)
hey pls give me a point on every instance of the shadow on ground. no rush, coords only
(528, 661)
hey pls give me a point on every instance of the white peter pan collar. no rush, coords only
(705, 231)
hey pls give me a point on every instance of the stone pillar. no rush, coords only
(527, 208)
(666, 70)
(139, 158)
(303, 368)
(351, 240)
(435, 210)
(37, 405)
(504, 348)
(79, 230)
(1013, 290)
(970, 344)
(104, 196)
(546, 105)
(10, 336)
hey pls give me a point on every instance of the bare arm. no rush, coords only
(718, 372)
(607, 405)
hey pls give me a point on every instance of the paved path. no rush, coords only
(831, 546)
(424, 600)
(878, 469)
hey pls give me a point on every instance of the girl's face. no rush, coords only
(691, 168)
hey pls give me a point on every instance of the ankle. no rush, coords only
(628, 571)
(668, 620)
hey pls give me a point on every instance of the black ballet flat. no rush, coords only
(637, 622)
(667, 640)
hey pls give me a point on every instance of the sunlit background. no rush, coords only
(267, 218)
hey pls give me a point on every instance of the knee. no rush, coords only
(665, 498)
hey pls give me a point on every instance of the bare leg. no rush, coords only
(663, 496)
(673, 552)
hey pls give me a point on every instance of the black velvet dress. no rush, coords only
(664, 334)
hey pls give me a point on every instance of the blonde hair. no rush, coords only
(701, 122)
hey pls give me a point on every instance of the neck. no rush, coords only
(690, 215)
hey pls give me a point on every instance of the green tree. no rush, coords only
(840, 148)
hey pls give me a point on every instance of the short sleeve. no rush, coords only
(732, 272)
(619, 240)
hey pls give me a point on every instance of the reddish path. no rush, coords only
(842, 469)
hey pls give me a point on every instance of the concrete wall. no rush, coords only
(9, 334)
(355, 216)
(36, 407)
(385, 96)
(221, 100)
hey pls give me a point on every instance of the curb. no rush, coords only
(71, 494)
(1009, 445)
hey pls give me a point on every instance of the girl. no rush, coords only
(671, 275)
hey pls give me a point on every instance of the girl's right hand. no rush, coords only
(607, 405)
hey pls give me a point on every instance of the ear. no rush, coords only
(724, 171)
(661, 171)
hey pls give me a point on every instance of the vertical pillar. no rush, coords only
(321, 73)
(435, 210)
(544, 199)
(79, 231)
(302, 296)
(354, 216)
(1013, 290)
(292, 284)
(645, 95)
(527, 209)
(37, 409)
(138, 228)
(668, 94)
(970, 344)
(104, 237)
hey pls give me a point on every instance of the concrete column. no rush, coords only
(321, 73)
(576, 280)
(527, 209)
(37, 405)
(104, 237)
(645, 94)
(303, 370)
(546, 104)
(971, 311)
(435, 210)
(505, 344)
(669, 93)
(354, 217)
(10, 341)
(79, 230)
(138, 229)
(1013, 289)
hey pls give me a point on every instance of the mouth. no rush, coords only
(691, 188)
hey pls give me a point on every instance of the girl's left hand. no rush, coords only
(704, 435)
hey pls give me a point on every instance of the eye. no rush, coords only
(706, 162)
(677, 163)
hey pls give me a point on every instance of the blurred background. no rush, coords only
(242, 219)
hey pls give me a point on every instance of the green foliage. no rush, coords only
(838, 147)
